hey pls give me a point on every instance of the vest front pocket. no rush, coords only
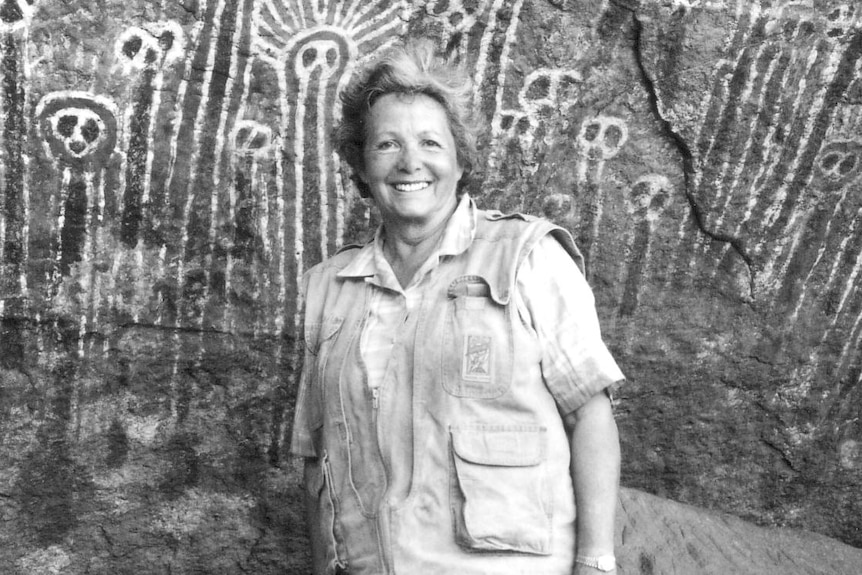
(476, 360)
(499, 492)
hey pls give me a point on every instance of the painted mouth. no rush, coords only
(411, 186)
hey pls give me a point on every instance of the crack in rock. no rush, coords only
(684, 150)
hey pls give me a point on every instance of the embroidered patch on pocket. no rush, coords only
(476, 363)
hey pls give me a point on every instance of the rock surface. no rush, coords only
(656, 536)
(165, 179)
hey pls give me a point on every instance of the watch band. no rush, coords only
(604, 563)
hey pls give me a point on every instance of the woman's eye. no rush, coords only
(385, 145)
(432, 143)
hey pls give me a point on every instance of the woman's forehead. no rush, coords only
(407, 110)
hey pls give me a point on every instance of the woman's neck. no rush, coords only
(406, 247)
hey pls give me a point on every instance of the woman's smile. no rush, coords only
(411, 186)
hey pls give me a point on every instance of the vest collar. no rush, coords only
(457, 237)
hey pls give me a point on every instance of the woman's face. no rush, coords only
(410, 160)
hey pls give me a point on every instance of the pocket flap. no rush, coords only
(501, 445)
(316, 333)
(477, 286)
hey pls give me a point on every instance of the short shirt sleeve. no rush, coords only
(554, 299)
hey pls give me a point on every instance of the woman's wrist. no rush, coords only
(604, 563)
(594, 564)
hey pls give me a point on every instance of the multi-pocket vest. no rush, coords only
(460, 464)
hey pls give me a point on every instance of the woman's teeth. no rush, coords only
(411, 187)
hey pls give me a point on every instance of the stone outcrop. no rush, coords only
(660, 537)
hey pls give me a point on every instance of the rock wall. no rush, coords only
(166, 178)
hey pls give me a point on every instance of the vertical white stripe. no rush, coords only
(181, 97)
(281, 205)
(340, 203)
(61, 219)
(836, 261)
(200, 121)
(299, 180)
(851, 346)
(322, 168)
(236, 42)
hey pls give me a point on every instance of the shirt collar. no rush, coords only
(460, 229)
(457, 237)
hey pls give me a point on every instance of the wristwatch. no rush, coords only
(604, 563)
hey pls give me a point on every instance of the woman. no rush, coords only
(440, 357)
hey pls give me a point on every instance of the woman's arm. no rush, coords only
(596, 475)
(555, 300)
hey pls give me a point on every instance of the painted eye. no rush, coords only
(66, 125)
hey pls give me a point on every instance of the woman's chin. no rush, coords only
(417, 211)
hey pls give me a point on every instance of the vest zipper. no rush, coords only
(375, 397)
(340, 565)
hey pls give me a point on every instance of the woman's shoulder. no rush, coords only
(501, 217)
(343, 257)
(529, 232)
(497, 224)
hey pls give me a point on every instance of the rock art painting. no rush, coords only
(167, 177)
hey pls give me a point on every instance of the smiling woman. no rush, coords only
(411, 168)
(440, 357)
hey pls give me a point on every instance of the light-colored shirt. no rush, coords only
(552, 298)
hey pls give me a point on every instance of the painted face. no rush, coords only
(411, 163)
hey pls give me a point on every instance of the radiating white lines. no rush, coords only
(852, 339)
(811, 112)
(793, 223)
(313, 48)
(837, 257)
(805, 67)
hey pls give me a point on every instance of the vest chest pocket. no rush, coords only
(318, 334)
(476, 354)
(319, 337)
(499, 492)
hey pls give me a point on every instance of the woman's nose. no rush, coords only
(408, 160)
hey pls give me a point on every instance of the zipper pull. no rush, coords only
(375, 397)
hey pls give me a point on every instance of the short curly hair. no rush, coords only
(413, 67)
